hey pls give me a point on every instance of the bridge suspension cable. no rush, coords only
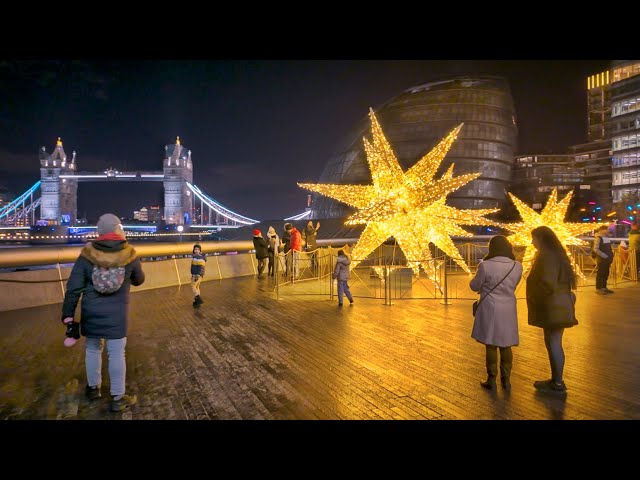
(15, 204)
(219, 209)
(300, 216)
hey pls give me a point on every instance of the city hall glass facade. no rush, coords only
(416, 120)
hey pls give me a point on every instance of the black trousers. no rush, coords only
(603, 273)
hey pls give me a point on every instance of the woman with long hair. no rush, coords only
(496, 322)
(550, 300)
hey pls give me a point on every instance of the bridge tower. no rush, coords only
(178, 170)
(59, 204)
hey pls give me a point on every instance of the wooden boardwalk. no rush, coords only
(245, 355)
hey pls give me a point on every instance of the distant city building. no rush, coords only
(141, 215)
(625, 129)
(417, 119)
(534, 176)
(6, 196)
(611, 157)
(594, 158)
(154, 214)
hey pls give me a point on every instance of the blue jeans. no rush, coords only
(117, 363)
(343, 289)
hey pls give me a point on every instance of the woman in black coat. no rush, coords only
(550, 300)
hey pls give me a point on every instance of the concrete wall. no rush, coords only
(15, 295)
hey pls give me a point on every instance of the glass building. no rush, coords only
(417, 119)
(625, 130)
(534, 176)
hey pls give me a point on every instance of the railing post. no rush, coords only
(387, 285)
(331, 276)
(276, 272)
(175, 263)
(61, 281)
(445, 298)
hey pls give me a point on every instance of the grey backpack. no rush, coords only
(107, 280)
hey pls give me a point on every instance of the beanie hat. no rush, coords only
(256, 232)
(109, 223)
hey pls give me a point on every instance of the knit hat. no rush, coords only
(256, 232)
(109, 223)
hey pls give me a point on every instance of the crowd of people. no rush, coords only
(108, 266)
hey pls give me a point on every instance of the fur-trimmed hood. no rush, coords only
(113, 258)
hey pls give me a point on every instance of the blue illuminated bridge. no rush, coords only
(52, 200)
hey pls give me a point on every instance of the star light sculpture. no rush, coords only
(552, 216)
(410, 206)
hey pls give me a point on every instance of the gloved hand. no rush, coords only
(72, 333)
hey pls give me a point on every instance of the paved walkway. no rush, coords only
(245, 355)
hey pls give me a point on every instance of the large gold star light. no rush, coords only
(409, 206)
(552, 216)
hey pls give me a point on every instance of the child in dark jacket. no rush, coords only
(198, 262)
(341, 272)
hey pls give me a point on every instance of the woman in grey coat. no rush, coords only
(550, 300)
(496, 322)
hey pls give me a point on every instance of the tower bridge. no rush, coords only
(53, 200)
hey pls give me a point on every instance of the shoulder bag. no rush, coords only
(477, 303)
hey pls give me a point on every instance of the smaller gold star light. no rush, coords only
(552, 216)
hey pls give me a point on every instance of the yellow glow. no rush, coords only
(177, 140)
(552, 216)
(410, 206)
(607, 77)
(589, 83)
(59, 142)
(610, 214)
(597, 80)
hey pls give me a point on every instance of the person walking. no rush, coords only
(103, 275)
(341, 272)
(551, 301)
(198, 263)
(496, 318)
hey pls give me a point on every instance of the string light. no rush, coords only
(552, 216)
(409, 206)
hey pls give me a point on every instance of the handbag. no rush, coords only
(477, 303)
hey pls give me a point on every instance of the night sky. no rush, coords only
(255, 128)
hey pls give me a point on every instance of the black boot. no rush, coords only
(489, 383)
(491, 358)
(506, 361)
